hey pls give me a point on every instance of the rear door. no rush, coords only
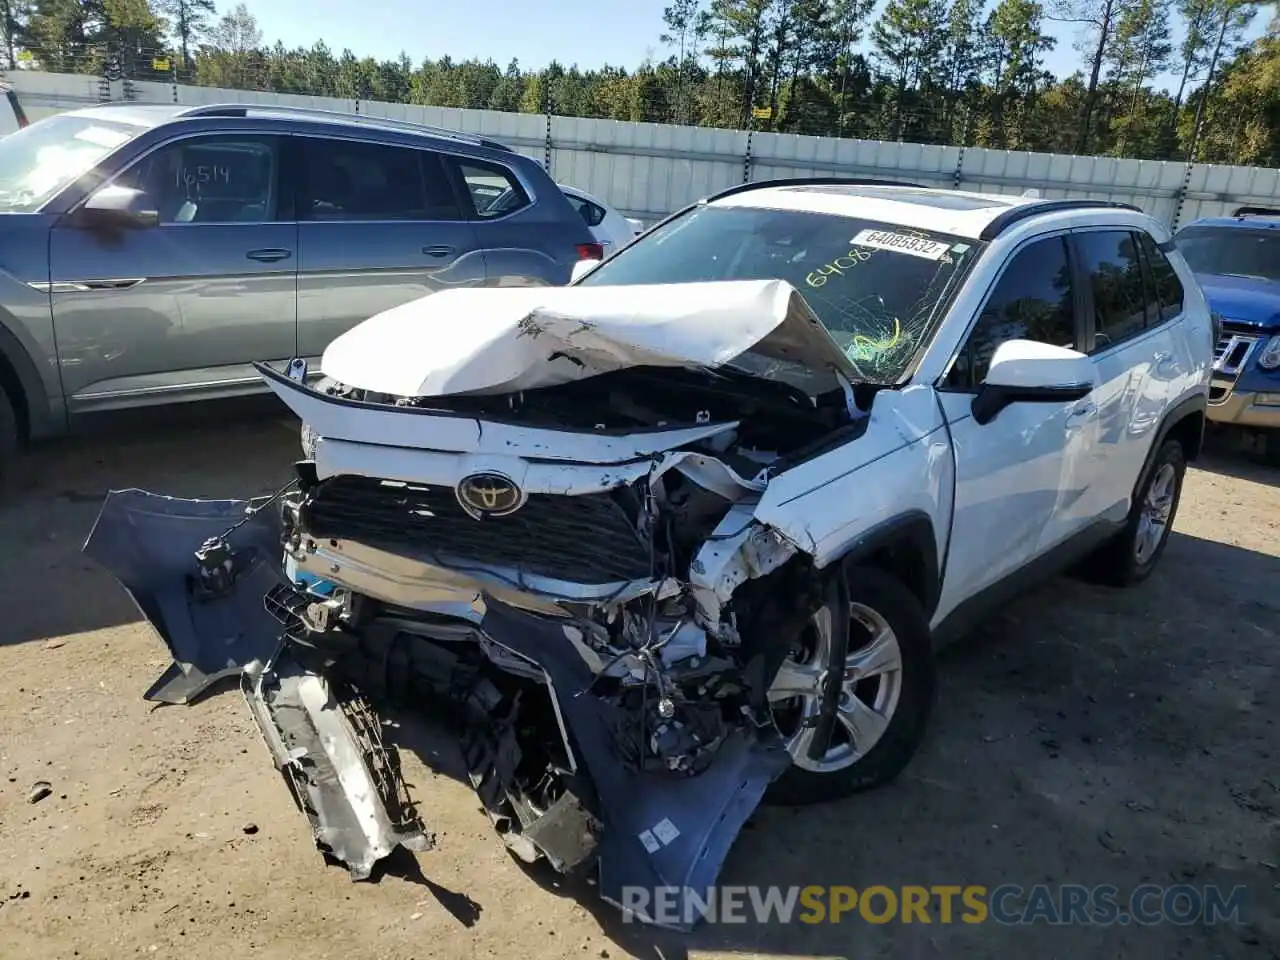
(1129, 337)
(183, 308)
(379, 225)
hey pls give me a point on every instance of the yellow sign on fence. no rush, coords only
(160, 63)
(762, 113)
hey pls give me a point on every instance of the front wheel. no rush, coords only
(9, 436)
(886, 690)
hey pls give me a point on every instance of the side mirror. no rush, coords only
(1025, 371)
(115, 206)
(582, 268)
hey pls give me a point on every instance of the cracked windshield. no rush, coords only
(878, 288)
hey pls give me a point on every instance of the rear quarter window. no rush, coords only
(1168, 286)
(494, 190)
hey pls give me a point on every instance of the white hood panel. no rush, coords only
(501, 340)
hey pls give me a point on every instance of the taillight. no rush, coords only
(590, 251)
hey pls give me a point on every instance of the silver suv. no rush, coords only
(150, 254)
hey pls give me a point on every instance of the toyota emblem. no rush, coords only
(485, 495)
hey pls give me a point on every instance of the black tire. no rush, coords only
(10, 438)
(889, 598)
(1117, 562)
(1271, 448)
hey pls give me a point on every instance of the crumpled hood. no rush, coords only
(501, 340)
(1242, 300)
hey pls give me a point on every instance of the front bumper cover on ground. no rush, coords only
(656, 831)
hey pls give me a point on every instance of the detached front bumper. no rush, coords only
(634, 828)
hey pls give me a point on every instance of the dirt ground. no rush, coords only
(1086, 736)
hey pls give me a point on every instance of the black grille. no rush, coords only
(584, 539)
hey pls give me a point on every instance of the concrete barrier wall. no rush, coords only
(646, 170)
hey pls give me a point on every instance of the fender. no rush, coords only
(41, 419)
(1197, 404)
(917, 566)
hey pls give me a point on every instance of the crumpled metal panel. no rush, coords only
(326, 742)
(148, 543)
(659, 831)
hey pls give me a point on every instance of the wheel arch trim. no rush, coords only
(14, 357)
(1180, 412)
(913, 530)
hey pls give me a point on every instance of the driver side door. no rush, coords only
(183, 308)
(1021, 479)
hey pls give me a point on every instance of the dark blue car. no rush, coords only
(1237, 261)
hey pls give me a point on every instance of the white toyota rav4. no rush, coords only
(690, 529)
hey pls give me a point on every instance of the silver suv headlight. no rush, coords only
(1269, 359)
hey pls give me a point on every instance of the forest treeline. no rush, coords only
(1163, 79)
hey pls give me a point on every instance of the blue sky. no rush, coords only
(588, 32)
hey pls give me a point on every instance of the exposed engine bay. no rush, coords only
(572, 574)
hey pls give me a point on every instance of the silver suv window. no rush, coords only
(354, 180)
(494, 190)
(231, 178)
(878, 288)
(38, 161)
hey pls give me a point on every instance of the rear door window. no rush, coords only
(1110, 261)
(353, 180)
(1034, 299)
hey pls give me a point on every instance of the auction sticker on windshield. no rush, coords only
(902, 243)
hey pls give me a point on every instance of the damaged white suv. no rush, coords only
(691, 528)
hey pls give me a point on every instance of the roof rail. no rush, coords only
(811, 182)
(1255, 212)
(1021, 212)
(242, 110)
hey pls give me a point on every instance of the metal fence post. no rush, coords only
(548, 106)
(746, 158)
(1182, 195)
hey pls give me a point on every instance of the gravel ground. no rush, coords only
(1085, 736)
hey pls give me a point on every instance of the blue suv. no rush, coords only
(150, 254)
(1237, 261)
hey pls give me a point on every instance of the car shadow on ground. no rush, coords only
(1234, 453)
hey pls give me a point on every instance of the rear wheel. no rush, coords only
(885, 692)
(1130, 557)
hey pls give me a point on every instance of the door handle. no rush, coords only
(1081, 413)
(269, 254)
(437, 251)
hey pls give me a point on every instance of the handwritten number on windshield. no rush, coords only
(846, 261)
